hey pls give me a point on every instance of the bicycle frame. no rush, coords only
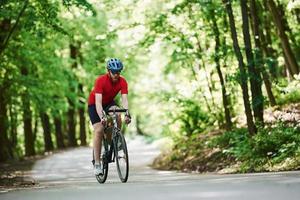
(115, 132)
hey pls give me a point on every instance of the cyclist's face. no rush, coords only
(114, 75)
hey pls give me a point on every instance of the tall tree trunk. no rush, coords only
(225, 52)
(27, 120)
(254, 72)
(82, 119)
(287, 28)
(217, 61)
(47, 131)
(82, 106)
(279, 22)
(71, 125)
(243, 78)
(58, 133)
(71, 111)
(258, 52)
(4, 146)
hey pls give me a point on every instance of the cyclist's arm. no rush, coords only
(99, 107)
(125, 101)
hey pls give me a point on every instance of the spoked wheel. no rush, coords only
(103, 161)
(121, 154)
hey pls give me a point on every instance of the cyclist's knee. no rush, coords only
(98, 128)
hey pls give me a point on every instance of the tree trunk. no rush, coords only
(297, 14)
(5, 26)
(279, 22)
(82, 119)
(254, 72)
(243, 78)
(217, 61)
(4, 146)
(71, 126)
(27, 120)
(36, 124)
(287, 28)
(13, 127)
(47, 131)
(58, 133)
(258, 53)
(71, 111)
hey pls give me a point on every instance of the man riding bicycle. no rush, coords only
(101, 99)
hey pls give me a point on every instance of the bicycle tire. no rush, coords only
(104, 162)
(121, 153)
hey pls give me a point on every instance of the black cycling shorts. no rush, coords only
(94, 117)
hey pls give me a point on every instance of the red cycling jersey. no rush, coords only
(108, 89)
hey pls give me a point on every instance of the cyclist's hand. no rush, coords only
(103, 120)
(127, 117)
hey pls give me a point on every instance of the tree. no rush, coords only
(47, 131)
(243, 75)
(259, 57)
(253, 71)
(225, 100)
(27, 120)
(281, 30)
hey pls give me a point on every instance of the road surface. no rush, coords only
(69, 176)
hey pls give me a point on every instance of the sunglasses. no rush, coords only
(115, 72)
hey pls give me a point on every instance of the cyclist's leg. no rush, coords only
(98, 132)
(97, 142)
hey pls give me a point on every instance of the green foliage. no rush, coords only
(191, 117)
(270, 146)
(288, 92)
(36, 62)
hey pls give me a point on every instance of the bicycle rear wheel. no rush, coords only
(121, 157)
(103, 161)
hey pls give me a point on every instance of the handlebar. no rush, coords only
(117, 111)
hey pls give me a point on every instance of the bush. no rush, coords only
(270, 146)
(288, 92)
(192, 118)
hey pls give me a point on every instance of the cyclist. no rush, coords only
(101, 99)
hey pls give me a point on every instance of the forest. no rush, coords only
(218, 78)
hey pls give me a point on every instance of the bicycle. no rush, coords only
(115, 149)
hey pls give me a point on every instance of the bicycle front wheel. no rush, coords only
(104, 162)
(121, 157)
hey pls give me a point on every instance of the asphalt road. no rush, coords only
(69, 175)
